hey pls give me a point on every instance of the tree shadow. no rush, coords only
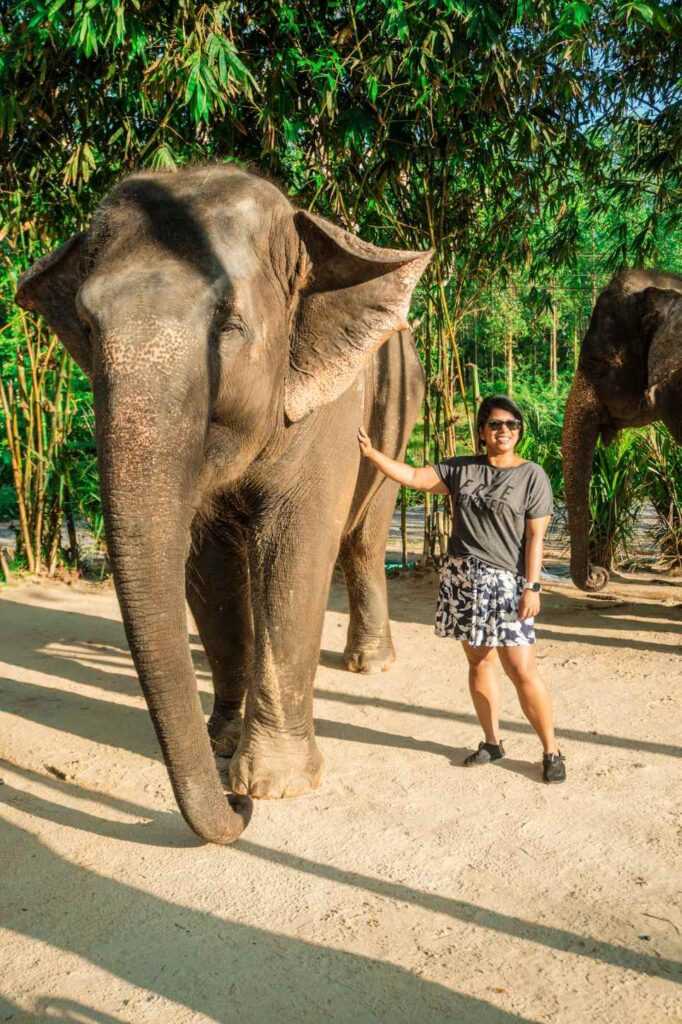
(526, 769)
(222, 969)
(462, 910)
(576, 735)
(158, 828)
(417, 605)
(128, 727)
(100, 721)
(130, 932)
(56, 1011)
(376, 737)
(74, 638)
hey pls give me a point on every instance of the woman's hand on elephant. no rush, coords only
(529, 605)
(364, 442)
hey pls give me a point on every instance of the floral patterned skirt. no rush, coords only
(478, 603)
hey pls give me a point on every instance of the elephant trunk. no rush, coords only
(581, 426)
(147, 474)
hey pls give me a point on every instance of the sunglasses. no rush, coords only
(509, 424)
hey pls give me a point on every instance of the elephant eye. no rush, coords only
(86, 327)
(230, 323)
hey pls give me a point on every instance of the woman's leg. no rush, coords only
(519, 664)
(485, 689)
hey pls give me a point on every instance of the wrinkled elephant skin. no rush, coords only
(629, 374)
(235, 345)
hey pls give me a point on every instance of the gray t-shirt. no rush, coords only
(490, 506)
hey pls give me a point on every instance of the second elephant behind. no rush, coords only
(629, 374)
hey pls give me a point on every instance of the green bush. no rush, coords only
(617, 493)
(8, 502)
(543, 410)
(662, 457)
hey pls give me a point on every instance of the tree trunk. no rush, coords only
(4, 566)
(509, 362)
(553, 355)
(475, 387)
(576, 348)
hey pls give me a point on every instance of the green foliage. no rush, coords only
(543, 409)
(47, 443)
(8, 498)
(662, 457)
(534, 145)
(617, 493)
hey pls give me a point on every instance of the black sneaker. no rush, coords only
(486, 753)
(553, 767)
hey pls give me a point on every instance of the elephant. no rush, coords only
(234, 345)
(629, 374)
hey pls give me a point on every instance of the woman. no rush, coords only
(490, 582)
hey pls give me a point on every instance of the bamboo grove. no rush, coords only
(534, 146)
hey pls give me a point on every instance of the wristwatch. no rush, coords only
(535, 587)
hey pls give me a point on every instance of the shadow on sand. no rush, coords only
(586, 614)
(224, 969)
(215, 967)
(220, 968)
(83, 647)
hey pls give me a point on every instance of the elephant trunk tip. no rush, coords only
(239, 810)
(596, 579)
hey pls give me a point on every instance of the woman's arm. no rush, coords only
(424, 479)
(529, 605)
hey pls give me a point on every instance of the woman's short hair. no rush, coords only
(487, 406)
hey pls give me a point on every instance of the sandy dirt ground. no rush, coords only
(406, 889)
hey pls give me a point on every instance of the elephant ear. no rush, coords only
(353, 297)
(49, 287)
(662, 328)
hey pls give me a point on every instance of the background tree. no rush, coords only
(533, 145)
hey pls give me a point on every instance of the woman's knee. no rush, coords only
(479, 656)
(526, 681)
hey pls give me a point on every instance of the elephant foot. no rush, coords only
(275, 769)
(224, 734)
(369, 659)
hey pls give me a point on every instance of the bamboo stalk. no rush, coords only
(445, 312)
(4, 565)
(509, 362)
(39, 487)
(475, 386)
(553, 354)
(53, 537)
(17, 474)
(74, 554)
(576, 348)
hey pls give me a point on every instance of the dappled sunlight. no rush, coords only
(404, 905)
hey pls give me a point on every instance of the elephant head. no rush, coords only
(629, 374)
(211, 317)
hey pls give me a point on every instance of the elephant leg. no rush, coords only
(219, 596)
(291, 572)
(369, 647)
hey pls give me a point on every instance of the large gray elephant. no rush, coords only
(629, 374)
(235, 345)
